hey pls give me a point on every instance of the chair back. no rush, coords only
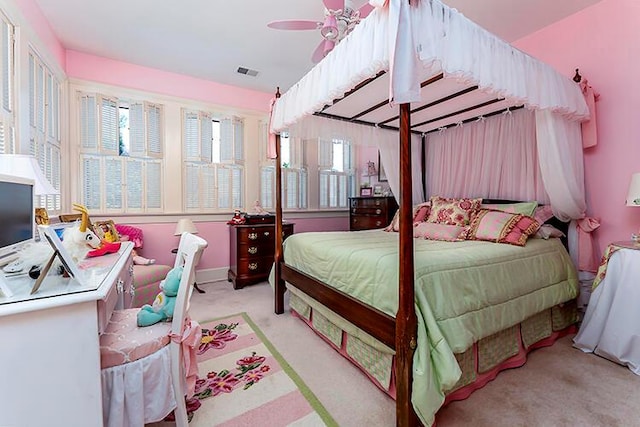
(189, 252)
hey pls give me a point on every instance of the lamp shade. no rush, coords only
(185, 224)
(633, 196)
(25, 166)
(371, 169)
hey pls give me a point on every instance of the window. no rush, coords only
(337, 177)
(213, 162)
(7, 110)
(44, 127)
(294, 175)
(122, 149)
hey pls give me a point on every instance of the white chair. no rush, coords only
(143, 368)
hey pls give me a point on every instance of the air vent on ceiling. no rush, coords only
(247, 71)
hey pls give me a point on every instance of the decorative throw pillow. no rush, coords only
(524, 208)
(420, 213)
(501, 227)
(435, 231)
(452, 211)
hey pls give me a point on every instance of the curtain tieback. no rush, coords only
(190, 340)
(587, 260)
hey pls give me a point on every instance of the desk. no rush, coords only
(611, 326)
(50, 358)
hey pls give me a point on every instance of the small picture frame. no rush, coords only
(106, 230)
(377, 190)
(366, 191)
(59, 251)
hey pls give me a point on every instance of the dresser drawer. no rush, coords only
(256, 249)
(369, 202)
(367, 222)
(255, 266)
(256, 235)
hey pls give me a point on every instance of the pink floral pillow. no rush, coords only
(420, 213)
(452, 211)
(501, 227)
(543, 214)
(435, 231)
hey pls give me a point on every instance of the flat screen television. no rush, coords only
(16, 213)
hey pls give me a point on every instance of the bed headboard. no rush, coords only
(560, 225)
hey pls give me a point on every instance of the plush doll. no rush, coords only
(163, 305)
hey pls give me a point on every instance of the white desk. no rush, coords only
(50, 351)
(611, 326)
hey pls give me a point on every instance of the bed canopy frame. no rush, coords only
(438, 69)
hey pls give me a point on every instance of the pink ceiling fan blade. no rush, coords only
(333, 4)
(294, 24)
(365, 10)
(322, 50)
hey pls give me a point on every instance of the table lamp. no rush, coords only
(25, 166)
(633, 198)
(185, 224)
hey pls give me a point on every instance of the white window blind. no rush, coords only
(337, 179)
(7, 112)
(123, 139)
(213, 162)
(44, 127)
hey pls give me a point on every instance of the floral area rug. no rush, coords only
(244, 381)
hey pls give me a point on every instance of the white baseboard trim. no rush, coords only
(211, 275)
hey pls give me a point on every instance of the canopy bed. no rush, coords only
(441, 70)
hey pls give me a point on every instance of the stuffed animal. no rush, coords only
(165, 302)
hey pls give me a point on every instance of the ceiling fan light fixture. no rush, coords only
(330, 28)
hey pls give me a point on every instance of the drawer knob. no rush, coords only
(377, 202)
(130, 269)
(253, 236)
(378, 211)
(120, 286)
(378, 223)
(253, 266)
(132, 289)
(266, 234)
(253, 250)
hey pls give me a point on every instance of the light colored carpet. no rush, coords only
(559, 385)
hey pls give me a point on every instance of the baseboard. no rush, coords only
(211, 275)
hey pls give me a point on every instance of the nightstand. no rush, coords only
(366, 213)
(252, 248)
(611, 325)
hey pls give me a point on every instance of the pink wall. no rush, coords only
(108, 71)
(40, 25)
(159, 239)
(602, 41)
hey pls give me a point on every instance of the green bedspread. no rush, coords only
(464, 291)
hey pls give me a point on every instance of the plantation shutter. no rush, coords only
(206, 136)
(50, 105)
(191, 199)
(236, 191)
(135, 183)
(346, 157)
(113, 183)
(303, 188)
(136, 130)
(153, 184)
(40, 97)
(342, 191)
(324, 189)
(325, 154)
(32, 91)
(91, 182)
(109, 126)
(208, 187)
(55, 179)
(224, 188)
(191, 136)
(292, 189)
(88, 122)
(7, 65)
(267, 184)
(226, 140)
(154, 130)
(238, 139)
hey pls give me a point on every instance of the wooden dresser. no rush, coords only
(251, 252)
(367, 213)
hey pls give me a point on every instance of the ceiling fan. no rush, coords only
(340, 18)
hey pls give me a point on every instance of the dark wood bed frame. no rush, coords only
(399, 333)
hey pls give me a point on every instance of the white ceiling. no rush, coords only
(210, 39)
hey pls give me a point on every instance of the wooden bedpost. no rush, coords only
(406, 322)
(279, 285)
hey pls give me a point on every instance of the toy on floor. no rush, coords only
(163, 305)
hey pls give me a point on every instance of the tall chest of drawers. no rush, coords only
(367, 213)
(252, 249)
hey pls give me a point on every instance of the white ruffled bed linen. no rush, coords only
(125, 403)
(423, 40)
(611, 326)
